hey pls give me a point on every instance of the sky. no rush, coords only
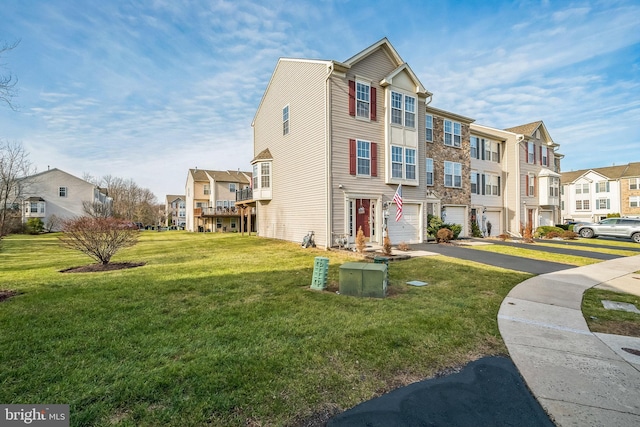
(146, 90)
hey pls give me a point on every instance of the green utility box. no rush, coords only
(320, 272)
(363, 279)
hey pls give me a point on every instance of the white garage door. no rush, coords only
(456, 215)
(546, 218)
(494, 219)
(408, 228)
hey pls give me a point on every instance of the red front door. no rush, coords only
(362, 216)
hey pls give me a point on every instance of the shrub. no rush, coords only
(34, 226)
(503, 236)
(544, 230)
(386, 245)
(475, 230)
(456, 229)
(403, 246)
(444, 235)
(569, 235)
(435, 224)
(100, 238)
(360, 240)
(552, 235)
(527, 233)
(613, 215)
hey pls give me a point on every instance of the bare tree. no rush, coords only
(14, 165)
(130, 201)
(100, 238)
(7, 81)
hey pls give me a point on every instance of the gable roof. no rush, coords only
(405, 68)
(609, 172)
(383, 44)
(527, 129)
(263, 155)
(173, 197)
(222, 176)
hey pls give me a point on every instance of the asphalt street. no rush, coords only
(487, 392)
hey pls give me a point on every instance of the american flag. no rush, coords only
(398, 199)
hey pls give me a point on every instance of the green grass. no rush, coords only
(615, 322)
(613, 250)
(222, 329)
(536, 254)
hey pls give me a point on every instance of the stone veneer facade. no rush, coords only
(625, 194)
(441, 153)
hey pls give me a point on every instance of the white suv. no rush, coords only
(612, 227)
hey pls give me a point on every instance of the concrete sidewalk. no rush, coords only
(579, 378)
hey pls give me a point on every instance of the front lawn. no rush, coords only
(222, 329)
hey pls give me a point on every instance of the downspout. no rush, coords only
(327, 157)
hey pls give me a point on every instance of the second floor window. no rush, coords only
(602, 204)
(207, 189)
(634, 201)
(453, 174)
(634, 184)
(232, 187)
(428, 120)
(396, 162)
(403, 166)
(582, 205)
(474, 147)
(452, 134)
(554, 187)
(363, 161)
(474, 183)
(492, 185)
(429, 171)
(62, 192)
(531, 153)
(491, 151)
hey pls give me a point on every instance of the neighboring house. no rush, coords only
(448, 167)
(210, 198)
(176, 213)
(488, 172)
(532, 166)
(332, 143)
(55, 195)
(515, 178)
(589, 195)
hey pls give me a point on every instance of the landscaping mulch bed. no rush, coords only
(112, 266)
(5, 294)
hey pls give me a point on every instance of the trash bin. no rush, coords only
(320, 273)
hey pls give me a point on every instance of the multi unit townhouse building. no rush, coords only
(210, 198)
(589, 195)
(56, 195)
(175, 208)
(333, 142)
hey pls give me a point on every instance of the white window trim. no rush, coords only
(403, 109)
(453, 166)
(453, 133)
(429, 172)
(358, 157)
(367, 101)
(427, 128)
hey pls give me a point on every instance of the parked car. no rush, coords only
(611, 227)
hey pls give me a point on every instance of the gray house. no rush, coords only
(332, 143)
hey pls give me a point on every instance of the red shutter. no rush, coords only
(374, 159)
(374, 105)
(352, 156)
(352, 97)
(526, 185)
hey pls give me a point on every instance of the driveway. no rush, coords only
(510, 262)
